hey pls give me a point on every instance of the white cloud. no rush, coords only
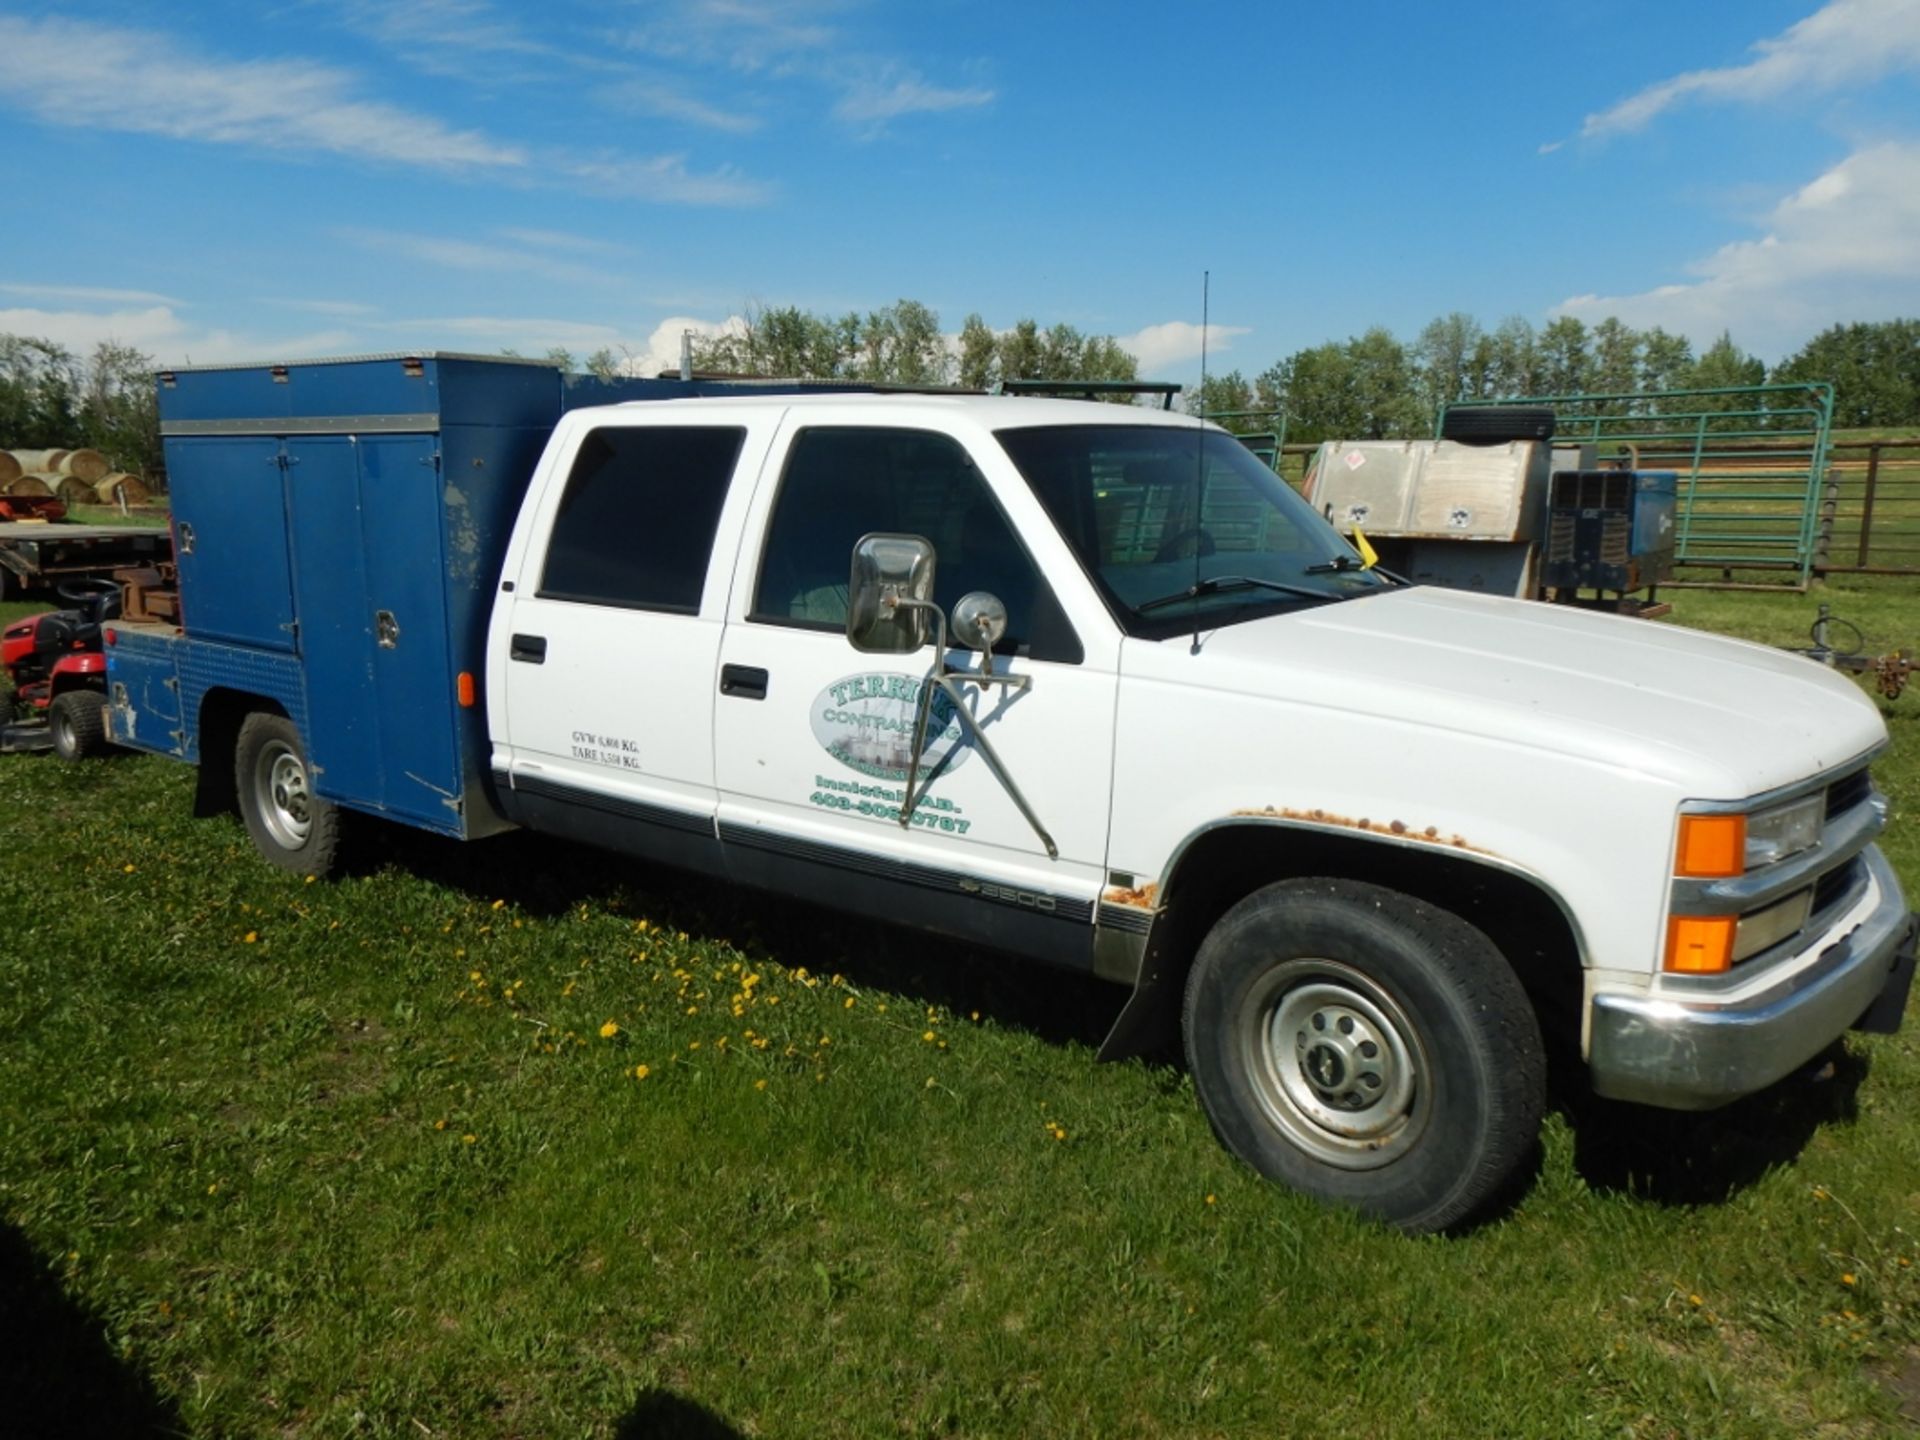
(454, 253)
(664, 178)
(660, 352)
(1158, 346)
(163, 334)
(869, 104)
(1840, 248)
(641, 95)
(88, 293)
(1845, 42)
(70, 72)
(88, 76)
(559, 240)
(345, 309)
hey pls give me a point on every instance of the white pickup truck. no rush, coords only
(1090, 684)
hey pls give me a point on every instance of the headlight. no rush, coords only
(1785, 829)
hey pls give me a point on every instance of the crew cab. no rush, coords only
(1082, 682)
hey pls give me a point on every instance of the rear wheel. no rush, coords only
(79, 728)
(1366, 1048)
(290, 825)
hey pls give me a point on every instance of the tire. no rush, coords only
(1367, 1049)
(1497, 424)
(290, 825)
(79, 729)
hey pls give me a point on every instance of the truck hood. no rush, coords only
(1721, 719)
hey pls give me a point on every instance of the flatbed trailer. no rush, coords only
(41, 555)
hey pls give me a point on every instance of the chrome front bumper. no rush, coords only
(1694, 1052)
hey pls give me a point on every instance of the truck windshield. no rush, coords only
(1167, 520)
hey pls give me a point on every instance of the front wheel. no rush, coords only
(79, 728)
(290, 825)
(1366, 1048)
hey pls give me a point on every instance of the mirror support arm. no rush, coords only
(944, 678)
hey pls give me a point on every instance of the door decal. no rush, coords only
(866, 723)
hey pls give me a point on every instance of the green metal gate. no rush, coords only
(1752, 462)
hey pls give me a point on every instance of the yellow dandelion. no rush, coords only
(468, 1138)
(214, 1188)
(693, 1045)
(1848, 1279)
(759, 1084)
(1213, 1199)
(499, 905)
(126, 869)
(847, 1004)
(640, 1072)
(250, 937)
(609, 1030)
(929, 1037)
(440, 1124)
(1695, 1300)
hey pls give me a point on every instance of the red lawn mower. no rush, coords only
(56, 674)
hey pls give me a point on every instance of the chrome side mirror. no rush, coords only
(890, 594)
(979, 620)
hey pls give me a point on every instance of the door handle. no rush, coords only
(743, 682)
(530, 648)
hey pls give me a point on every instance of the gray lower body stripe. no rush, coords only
(882, 867)
(626, 809)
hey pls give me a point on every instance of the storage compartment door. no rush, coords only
(336, 620)
(401, 519)
(230, 530)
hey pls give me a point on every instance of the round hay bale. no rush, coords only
(88, 465)
(33, 462)
(41, 484)
(75, 491)
(10, 468)
(112, 489)
(55, 459)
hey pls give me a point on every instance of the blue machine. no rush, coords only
(339, 528)
(1609, 529)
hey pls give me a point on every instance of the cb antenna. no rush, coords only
(1200, 453)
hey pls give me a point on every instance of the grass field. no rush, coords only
(520, 1140)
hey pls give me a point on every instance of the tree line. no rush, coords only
(52, 399)
(903, 344)
(1371, 386)
(1376, 387)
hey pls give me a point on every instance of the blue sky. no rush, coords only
(223, 181)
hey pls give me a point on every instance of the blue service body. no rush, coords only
(339, 527)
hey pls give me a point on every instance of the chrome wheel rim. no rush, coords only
(281, 796)
(1336, 1063)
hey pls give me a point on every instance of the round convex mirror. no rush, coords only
(979, 620)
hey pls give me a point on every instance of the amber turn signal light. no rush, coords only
(1700, 944)
(1712, 847)
(464, 689)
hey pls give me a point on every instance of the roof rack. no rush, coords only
(1091, 389)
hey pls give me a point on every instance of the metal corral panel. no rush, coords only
(1433, 489)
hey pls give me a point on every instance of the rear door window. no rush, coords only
(636, 523)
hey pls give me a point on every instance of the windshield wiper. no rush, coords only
(1338, 565)
(1344, 564)
(1215, 584)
